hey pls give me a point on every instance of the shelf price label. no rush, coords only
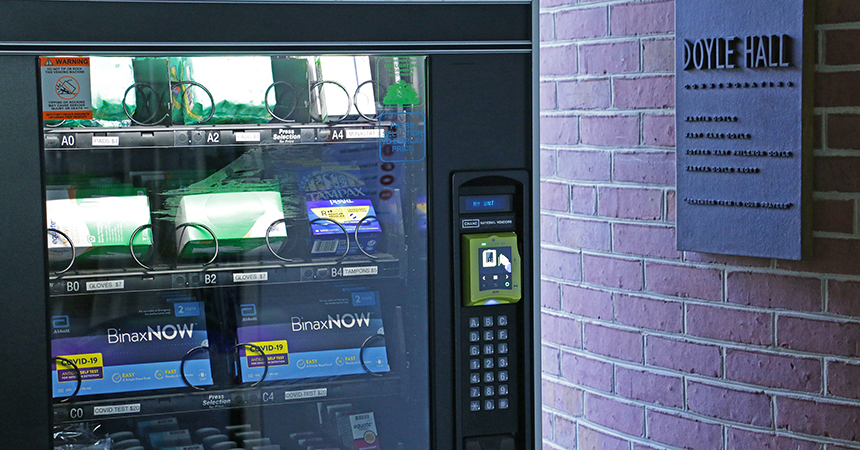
(90, 365)
(276, 352)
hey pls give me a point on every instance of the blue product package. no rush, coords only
(316, 334)
(127, 345)
(328, 216)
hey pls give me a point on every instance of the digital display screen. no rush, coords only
(495, 269)
(486, 203)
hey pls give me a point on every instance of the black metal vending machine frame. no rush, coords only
(482, 144)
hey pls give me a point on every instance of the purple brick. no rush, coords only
(589, 234)
(645, 92)
(582, 23)
(621, 344)
(683, 356)
(583, 199)
(548, 229)
(818, 418)
(645, 167)
(843, 297)
(559, 130)
(753, 408)
(554, 196)
(547, 27)
(671, 207)
(586, 302)
(746, 440)
(613, 58)
(784, 372)
(585, 371)
(561, 397)
(549, 295)
(584, 94)
(658, 131)
(559, 264)
(594, 440)
(584, 165)
(546, 429)
(550, 360)
(774, 291)
(630, 203)
(613, 272)
(658, 55)
(835, 216)
(818, 336)
(683, 281)
(565, 431)
(650, 387)
(831, 255)
(745, 327)
(561, 330)
(547, 96)
(625, 418)
(726, 260)
(843, 379)
(683, 432)
(558, 60)
(655, 241)
(553, 3)
(547, 163)
(648, 313)
(642, 18)
(613, 131)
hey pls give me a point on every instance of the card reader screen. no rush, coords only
(495, 268)
(486, 203)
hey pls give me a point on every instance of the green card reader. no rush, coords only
(491, 269)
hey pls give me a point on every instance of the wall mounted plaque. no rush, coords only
(744, 126)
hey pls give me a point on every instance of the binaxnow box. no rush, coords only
(239, 221)
(99, 223)
(358, 431)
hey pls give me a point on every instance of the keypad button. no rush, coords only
(503, 375)
(474, 350)
(474, 392)
(503, 389)
(503, 321)
(489, 391)
(489, 405)
(488, 349)
(488, 321)
(503, 403)
(489, 377)
(489, 363)
(475, 405)
(474, 336)
(474, 322)
(503, 362)
(474, 364)
(474, 378)
(503, 335)
(488, 335)
(503, 348)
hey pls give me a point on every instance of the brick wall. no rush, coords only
(646, 347)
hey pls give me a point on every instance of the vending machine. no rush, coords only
(269, 226)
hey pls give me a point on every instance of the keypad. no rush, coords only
(489, 361)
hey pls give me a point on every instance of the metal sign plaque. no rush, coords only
(744, 122)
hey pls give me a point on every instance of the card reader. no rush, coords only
(491, 269)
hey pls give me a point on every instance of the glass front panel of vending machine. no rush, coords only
(237, 251)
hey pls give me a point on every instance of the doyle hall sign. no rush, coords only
(744, 116)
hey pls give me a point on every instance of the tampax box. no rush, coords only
(127, 344)
(316, 332)
(358, 431)
(329, 239)
(100, 223)
(239, 221)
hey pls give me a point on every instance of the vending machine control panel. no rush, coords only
(490, 219)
